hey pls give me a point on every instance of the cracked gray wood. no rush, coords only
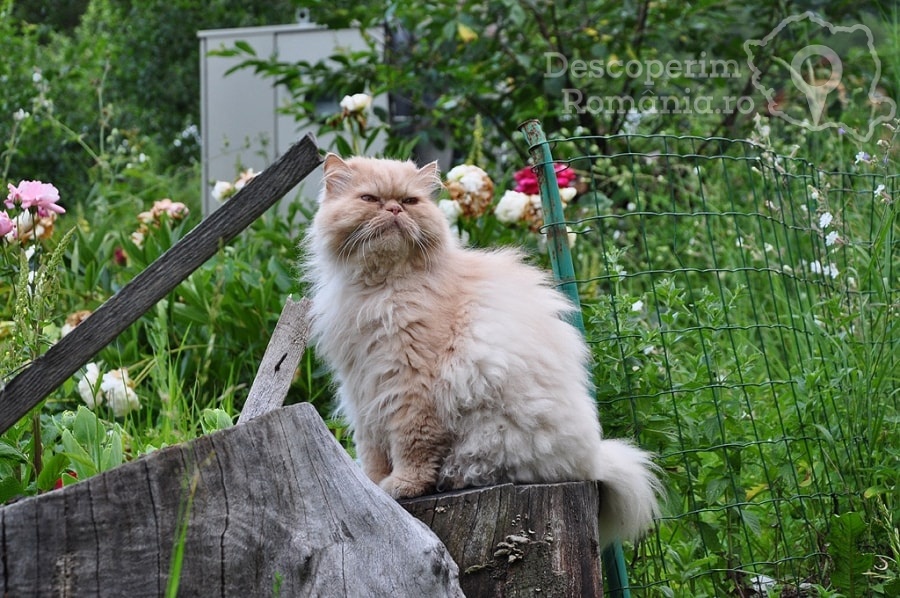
(519, 540)
(277, 504)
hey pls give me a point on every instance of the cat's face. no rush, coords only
(381, 210)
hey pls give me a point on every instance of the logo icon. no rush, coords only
(825, 75)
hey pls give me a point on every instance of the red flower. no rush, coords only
(120, 257)
(565, 175)
(59, 482)
(527, 181)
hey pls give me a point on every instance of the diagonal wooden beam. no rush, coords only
(283, 355)
(121, 310)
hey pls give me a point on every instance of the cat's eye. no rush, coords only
(410, 201)
(369, 198)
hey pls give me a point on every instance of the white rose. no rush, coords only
(119, 391)
(511, 207)
(221, 190)
(88, 386)
(356, 103)
(567, 194)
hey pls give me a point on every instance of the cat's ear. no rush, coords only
(337, 173)
(431, 173)
(332, 160)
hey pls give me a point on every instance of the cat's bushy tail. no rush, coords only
(630, 490)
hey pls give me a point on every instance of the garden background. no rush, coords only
(101, 99)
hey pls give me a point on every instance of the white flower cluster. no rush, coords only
(115, 388)
(471, 188)
(471, 178)
(512, 206)
(832, 236)
(825, 269)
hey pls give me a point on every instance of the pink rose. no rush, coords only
(6, 224)
(34, 194)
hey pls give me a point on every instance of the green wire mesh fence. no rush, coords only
(741, 307)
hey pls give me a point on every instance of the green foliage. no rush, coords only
(850, 564)
(505, 62)
(90, 444)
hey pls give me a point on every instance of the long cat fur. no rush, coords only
(454, 366)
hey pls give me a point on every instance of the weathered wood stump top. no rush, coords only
(519, 540)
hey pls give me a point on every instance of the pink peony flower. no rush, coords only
(34, 194)
(565, 175)
(6, 224)
(175, 209)
(527, 180)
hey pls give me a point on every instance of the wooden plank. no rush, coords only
(278, 509)
(283, 355)
(64, 358)
(519, 540)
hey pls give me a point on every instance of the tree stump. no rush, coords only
(519, 540)
(270, 507)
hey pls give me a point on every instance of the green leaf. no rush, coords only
(215, 419)
(892, 588)
(10, 488)
(343, 147)
(751, 521)
(113, 454)
(715, 489)
(81, 461)
(710, 536)
(51, 471)
(850, 565)
(87, 430)
(7, 451)
(245, 47)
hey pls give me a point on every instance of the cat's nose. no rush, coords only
(393, 207)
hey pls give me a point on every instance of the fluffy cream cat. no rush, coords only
(454, 366)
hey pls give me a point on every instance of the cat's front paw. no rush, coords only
(398, 487)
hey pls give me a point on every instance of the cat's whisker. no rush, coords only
(352, 242)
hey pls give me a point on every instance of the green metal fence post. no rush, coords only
(614, 571)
